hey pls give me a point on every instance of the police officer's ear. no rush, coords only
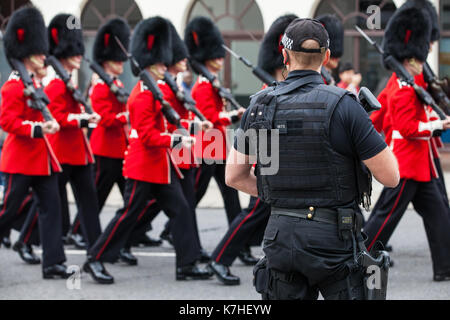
(285, 57)
(327, 57)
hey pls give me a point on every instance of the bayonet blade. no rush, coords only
(365, 35)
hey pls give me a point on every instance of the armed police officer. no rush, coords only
(324, 134)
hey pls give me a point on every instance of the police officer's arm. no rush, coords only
(350, 123)
(239, 173)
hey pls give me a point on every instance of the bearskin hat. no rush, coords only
(203, 40)
(429, 7)
(335, 31)
(179, 49)
(25, 34)
(65, 36)
(106, 47)
(270, 57)
(151, 42)
(407, 34)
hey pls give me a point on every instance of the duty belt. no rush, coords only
(315, 214)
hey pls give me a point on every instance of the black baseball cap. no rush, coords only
(300, 30)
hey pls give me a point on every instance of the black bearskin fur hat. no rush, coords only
(179, 49)
(203, 40)
(65, 36)
(106, 47)
(25, 34)
(270, 57)
(429, 7)
(151, 42)
(335, 31)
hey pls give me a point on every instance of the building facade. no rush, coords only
(243, 23)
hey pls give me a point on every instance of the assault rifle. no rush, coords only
(435, 88)
(66, 78)
(39, 99)
(120, 93)
(201, 69)
(169, 113)
(405, 76)
(257, 71)
(187, 101)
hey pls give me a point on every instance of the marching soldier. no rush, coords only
(27, 158)
(150, 170)
(407, 38)
(204, 43)
(335, 31)
(70, 144)
(250, 223)
(323, 131)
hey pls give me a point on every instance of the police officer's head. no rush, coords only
(305, 45)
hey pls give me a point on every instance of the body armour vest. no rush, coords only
(311, 172)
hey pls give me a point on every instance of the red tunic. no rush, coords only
(109, 138)
(70, 144)
(213, 142)
(411, 133)
(23, 154)
(148, 155)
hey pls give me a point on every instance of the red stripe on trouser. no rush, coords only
(97, 174)
(6, 196)
(387, 218)
(27, 237)
(76, 226)
(28, 197)
(236, 230)
(197, 178)
(145, 209)
(117, 223)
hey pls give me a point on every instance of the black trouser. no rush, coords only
(29, 231)
(307, 257)
(428, 202)
(245, 227)
(82, 183)
(171, 200)
(46, 190)
(441, 180)
(188, 186)
(230, 195)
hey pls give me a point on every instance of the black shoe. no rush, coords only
(204, 256)
(388, 248)
(147, 241)
(98, 272)
(441, 277)
(6, 242)
(26, 253)
(56, 270)
(193, 272)
(245, 255)
(126, 256)
(167, 236)
(77, 240)
(223, 274)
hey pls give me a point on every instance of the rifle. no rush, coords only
(368, 100)
(65, 77)
(435, 88)
(405, 76)
(120, 93)
(257, 71)
(39, 99)
(187, 101)
(200, 69)
(169, 113)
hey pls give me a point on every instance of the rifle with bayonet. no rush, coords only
(66, 78)
(257, 71)
(39, 99)
(120, 93)
(435, 88)
(187, 101)
(201, 69)
(405, 76)
(169, 113)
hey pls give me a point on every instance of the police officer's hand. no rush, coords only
(50, 127)
(206, 125)
(187, 142)
(94, 118)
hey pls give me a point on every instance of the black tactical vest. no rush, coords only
(311, 172)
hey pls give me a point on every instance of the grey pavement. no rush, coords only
(154, 277)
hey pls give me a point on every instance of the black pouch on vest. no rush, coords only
(346, 223)
(261, 276)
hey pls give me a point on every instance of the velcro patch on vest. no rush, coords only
(281, 125)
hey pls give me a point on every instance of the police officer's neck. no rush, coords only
(292, 68)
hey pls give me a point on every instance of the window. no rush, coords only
(241, 24)
(356, 49)
(96, 13)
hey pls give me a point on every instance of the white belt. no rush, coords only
(396, 135)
